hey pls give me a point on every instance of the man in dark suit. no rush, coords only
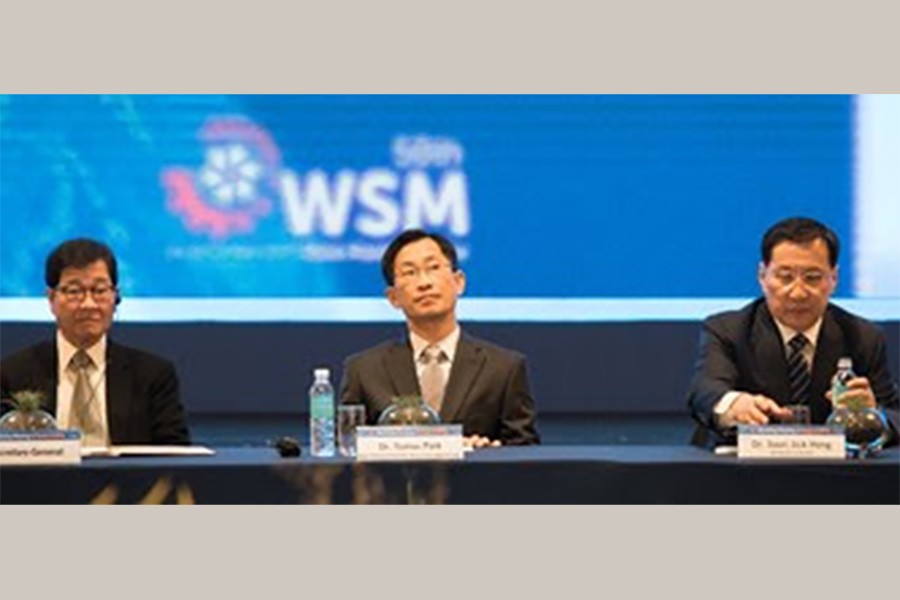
(783, 349)
(466, 380)
(113, 393)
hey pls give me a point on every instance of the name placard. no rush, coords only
(791, 442)
(409, 442)
(58, 447)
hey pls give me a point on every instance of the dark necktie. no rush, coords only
(798, 371)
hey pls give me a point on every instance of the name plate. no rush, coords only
(409, 442)
(62, 447)
(791, 442)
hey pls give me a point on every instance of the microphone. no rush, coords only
(287, 447)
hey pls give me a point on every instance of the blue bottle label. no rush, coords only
(322, 406)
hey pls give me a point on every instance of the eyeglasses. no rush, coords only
(810, 277)
(76, 294)
(410, 273)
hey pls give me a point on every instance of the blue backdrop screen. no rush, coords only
(296, 196)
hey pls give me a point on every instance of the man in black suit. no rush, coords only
(469, 381)
(746, 362)
(113, 393)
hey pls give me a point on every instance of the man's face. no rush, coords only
(797, 282)
(83, 303)
(425, 286)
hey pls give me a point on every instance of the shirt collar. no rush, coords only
(448, 344)
(811, 334)
(66, 351)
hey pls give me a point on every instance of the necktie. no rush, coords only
(433, 380)
(83, 409)
(798, 371)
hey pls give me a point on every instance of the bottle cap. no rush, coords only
(322, 373)
(845, 362)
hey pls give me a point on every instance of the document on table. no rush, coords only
(113, 451)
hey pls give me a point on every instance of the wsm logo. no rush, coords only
(342, 215)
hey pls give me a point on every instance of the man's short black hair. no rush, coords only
(78, 253)
(800, 230)
(408, 237)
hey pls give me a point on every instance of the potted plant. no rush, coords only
(28, 414)
(408, 410)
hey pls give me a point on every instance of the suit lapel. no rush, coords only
(117, 407)
(398, 362)
(47, 373)
(770, 356)
(467, 364)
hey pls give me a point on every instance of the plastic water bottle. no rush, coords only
(841, 377)
(321, 414)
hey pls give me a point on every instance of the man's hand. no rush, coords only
(477, 441)
(858, 390)
(753, 409)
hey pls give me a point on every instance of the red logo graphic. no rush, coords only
(227, 195)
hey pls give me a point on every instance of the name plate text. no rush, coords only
(409, 442)
(791, 442)
(40, 447)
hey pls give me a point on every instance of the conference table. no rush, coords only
(548, 474)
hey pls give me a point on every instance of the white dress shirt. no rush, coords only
(66, 386)
(448, 345)
(787, 334)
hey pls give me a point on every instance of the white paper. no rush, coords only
(136, 450)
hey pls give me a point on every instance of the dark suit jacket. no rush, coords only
(142, 400)
(487, 391)
(742, 350)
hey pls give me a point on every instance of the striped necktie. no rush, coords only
(798, 370)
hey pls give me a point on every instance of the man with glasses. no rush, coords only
(783, 349)
(112, 393)
(466, 380)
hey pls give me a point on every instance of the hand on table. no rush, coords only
(478, 441)
(753, 409)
